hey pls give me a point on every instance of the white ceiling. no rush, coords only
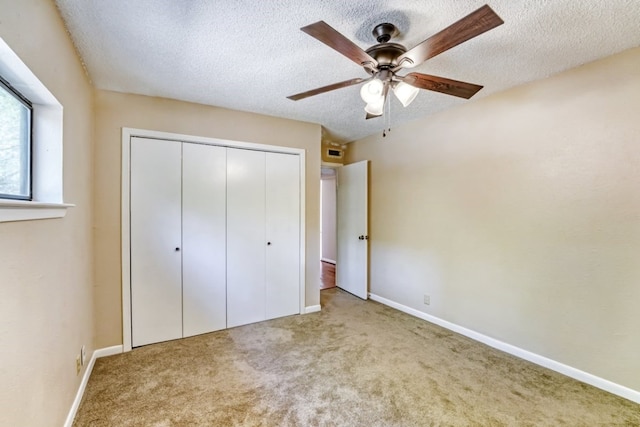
(249, 55)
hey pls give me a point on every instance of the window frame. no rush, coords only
(47, 151)
(29, 163)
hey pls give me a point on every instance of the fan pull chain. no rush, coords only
(387, 129)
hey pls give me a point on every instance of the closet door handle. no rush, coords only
(268, 243)
(177, 249)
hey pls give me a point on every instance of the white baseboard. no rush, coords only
(330, 261)
(101, 352)
(107, 351)
(569, 371)
(312, 309)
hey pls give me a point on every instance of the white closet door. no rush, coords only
(204, 180)
(245, 237)
(156, 290)
(283, 235)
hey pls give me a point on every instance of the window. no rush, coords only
(31, 176)
(15, 143)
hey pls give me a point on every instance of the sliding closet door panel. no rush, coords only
(245, 237)
(283, 232)
(204, 181)
(156, 290)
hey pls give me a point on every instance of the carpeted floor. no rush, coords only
(356, 363)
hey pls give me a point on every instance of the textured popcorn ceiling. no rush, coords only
(250, 55)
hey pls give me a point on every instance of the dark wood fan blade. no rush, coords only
(332, 38)
(371, 116)
(472, 25)
(324, 89)
(440, 84)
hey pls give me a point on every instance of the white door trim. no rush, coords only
(127, 134)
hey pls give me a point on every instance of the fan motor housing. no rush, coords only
(386, 54)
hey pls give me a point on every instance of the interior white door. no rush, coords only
(352, 267)
(156, 265)
(282, 234)
(204, 263)
(246, 242)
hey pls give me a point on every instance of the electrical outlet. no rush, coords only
(427, 299)
(83, 356)
(78, 365)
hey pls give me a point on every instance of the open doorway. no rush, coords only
(328, 231)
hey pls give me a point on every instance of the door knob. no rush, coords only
(360, 237)
(268, 243)
(177, 249)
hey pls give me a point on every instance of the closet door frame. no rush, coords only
(127, 135)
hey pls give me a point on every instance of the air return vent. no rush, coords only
(334, 153)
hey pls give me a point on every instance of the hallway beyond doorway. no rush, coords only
(327, 275)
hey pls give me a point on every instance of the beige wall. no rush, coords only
(519, 214)
(46, 309)
(116, 110)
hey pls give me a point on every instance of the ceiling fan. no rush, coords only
(383, 60)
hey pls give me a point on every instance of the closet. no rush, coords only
(214, 237)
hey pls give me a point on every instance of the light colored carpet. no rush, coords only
(356, 363)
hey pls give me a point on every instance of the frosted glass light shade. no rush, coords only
(375, 108)
(371, 92)
(405, 93)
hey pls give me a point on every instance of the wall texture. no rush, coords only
(519, 214)
(46, 311)
(115, 111)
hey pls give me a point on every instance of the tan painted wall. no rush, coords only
(46, 311)
(520, 215)
(116, 110)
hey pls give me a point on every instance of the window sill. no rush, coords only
(17, 210)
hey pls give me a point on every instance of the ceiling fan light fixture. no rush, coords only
(383, 60)
(405, 93)
(372, 92)
(375, 108)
